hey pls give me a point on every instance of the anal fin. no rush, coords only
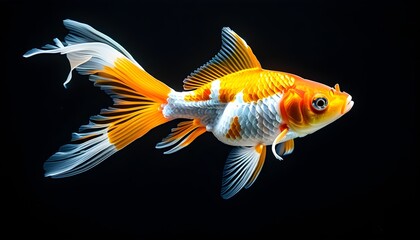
(186, 131)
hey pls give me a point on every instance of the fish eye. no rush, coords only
(319, 103)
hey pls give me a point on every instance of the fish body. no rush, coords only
(240, 109)
(231, 96)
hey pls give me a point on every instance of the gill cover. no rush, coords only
(291, 109)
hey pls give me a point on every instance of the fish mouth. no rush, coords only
(349, 104)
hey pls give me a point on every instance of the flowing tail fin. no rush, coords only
(137, 97)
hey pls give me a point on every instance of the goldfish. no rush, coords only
(230, 96)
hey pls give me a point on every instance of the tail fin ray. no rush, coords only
(137, 96)
(80, 32)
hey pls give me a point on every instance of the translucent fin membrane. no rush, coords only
(88, 148)
(242, 167)
(186, 131)
(138, 98)
(235, 55)
(285, 148)
(83, 33)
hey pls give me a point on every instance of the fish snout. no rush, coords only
(347, 107)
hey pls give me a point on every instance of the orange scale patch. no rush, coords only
(200, 94)
(234, 131)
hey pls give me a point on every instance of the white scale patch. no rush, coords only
(206, 111)
(259, 121)
(214, 90)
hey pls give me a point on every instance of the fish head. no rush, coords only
(309, 106)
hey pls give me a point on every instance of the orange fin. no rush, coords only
(187, 130)
(234, 56)
(285, 148)
(137, 97)
(242, 167)
(262, 149)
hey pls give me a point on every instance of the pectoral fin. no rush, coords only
(285, 148)
(242, 168)
(278, 140)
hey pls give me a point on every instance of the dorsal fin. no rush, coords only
(234, 56)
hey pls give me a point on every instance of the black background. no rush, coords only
(354, 179)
